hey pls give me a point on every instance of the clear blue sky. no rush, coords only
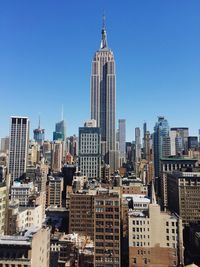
(46, 48)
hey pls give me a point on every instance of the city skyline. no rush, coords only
(151, 59)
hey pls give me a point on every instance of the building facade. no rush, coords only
(54, 191)
(3, 207)
(184, 195)
(18, 148)
(155, 237)
(90, 151)
(31, 248)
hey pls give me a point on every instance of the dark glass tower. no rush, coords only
(161, 143)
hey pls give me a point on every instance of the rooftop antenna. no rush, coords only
(104, 44)
(103, 21)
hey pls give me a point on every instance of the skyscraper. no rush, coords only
(161, 143)
(18, 149)
(60, 131)
(90, 150)
(38, 134)
(103, 91)
(122, 140)
(137, 145)
(179, 140)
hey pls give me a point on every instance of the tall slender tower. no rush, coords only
(18, 149)
(103, 91)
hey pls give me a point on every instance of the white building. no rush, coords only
(153, 233)
(21, 192)
(21, 218)
(31, 248)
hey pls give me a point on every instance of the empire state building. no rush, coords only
(103, 94)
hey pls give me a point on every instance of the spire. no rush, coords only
(104, 43)
(153, 195)
(39, 123)
(62, 113)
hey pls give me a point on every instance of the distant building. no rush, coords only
(39, 134)
(137, 145)
(5, 144)
(33, 153)
(72, 146)
(60, 131)
(57, 156)
(3, 207)
(122, 140)
(193, 143)
(161, 143)
(147, 146)
(90, 151)
(31, 248)
(179, 140)
(18, 149)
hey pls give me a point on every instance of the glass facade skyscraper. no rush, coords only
(161, 143)
(60, 131)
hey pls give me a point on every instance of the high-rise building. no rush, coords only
(38, 134)
(103, 93)
(72, 146)
(144, 139)
(179, 140)
(57, 156)
(193, 143)
(4, 144)
(137, 145)
(18, 149)
(122, 140)
(60, 131)
(90, 150)
(161, 143)
(147, 146)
